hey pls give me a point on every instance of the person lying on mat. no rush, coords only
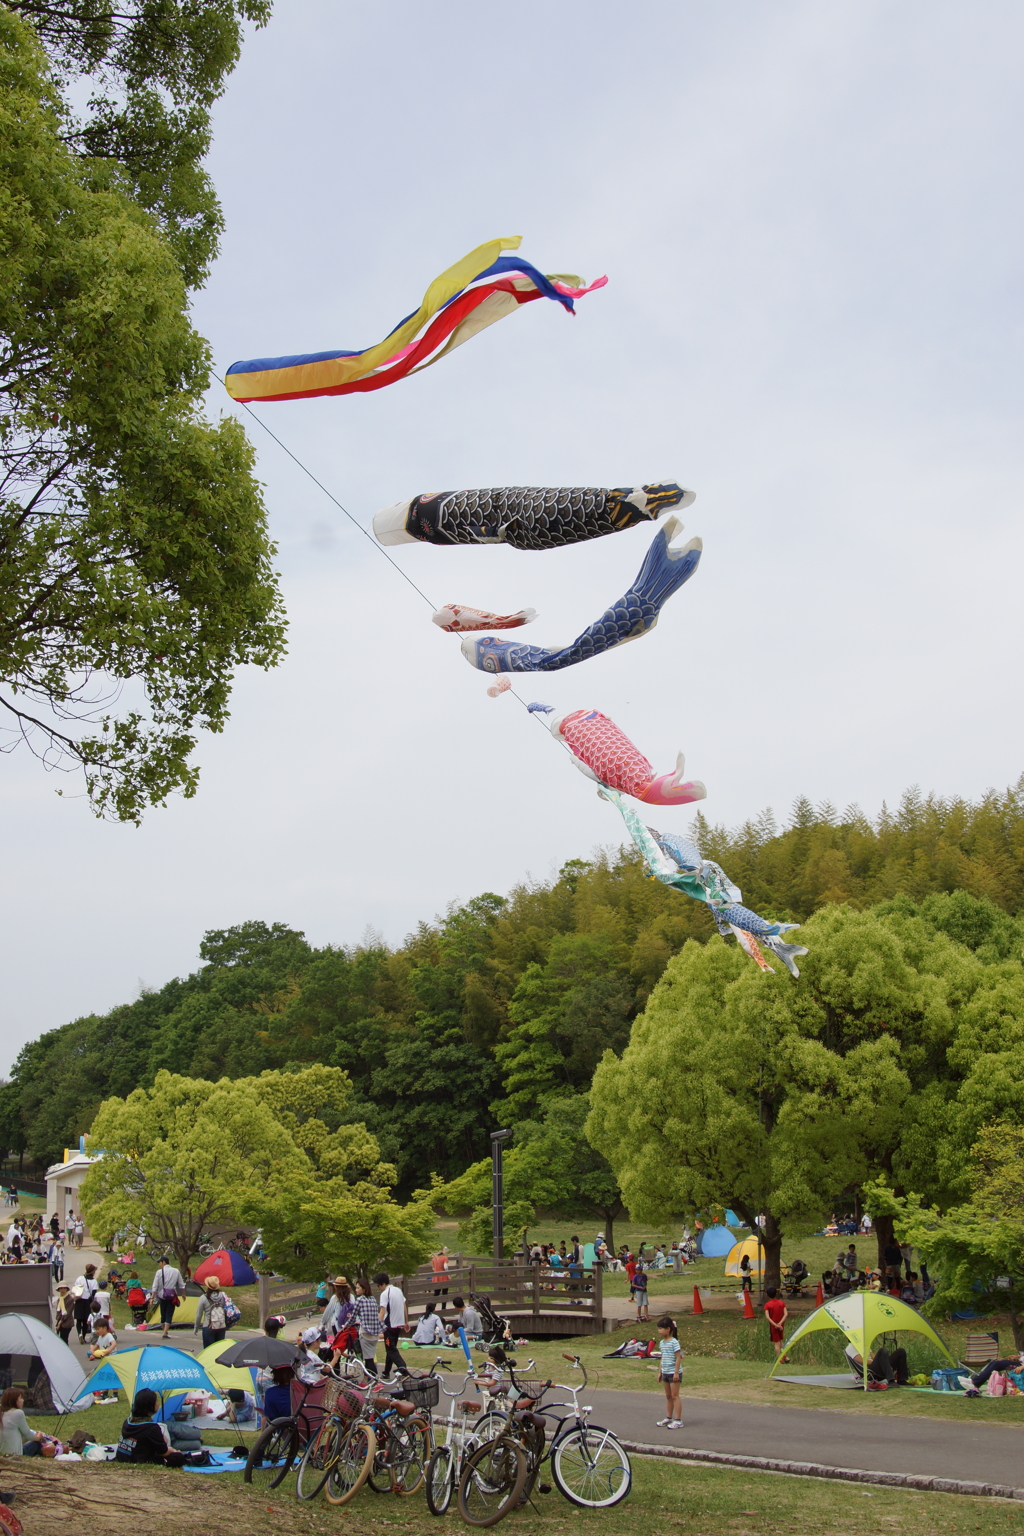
(1011, 1363)
(886, 1368)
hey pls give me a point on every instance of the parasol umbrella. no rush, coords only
(258, 1353)
(159, 1366)
(228, 1267)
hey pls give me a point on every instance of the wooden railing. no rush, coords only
(286, 1298)
(512, 1287)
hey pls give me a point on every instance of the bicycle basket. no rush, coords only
(341, 1399)
(529, 1389)
(424, 1391)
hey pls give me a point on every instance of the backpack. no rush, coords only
(218, 1311)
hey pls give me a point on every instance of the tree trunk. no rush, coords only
(771, 1241)
(883, 1226)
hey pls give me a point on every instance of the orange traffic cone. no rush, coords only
(697, 1305)
(748, 1305)
(819, 1300)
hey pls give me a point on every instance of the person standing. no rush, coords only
(670, 1372)
(367, 1315)
(777, 1313)
(55, 1226)
(64, 1319)
(392, 1319)
(85, 1290)
(167, 1284)
(439, 1265)
(746, 1278)
(340, 1295)
(640, 1292)
(211, 1313)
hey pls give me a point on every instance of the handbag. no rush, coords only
(177, 1299)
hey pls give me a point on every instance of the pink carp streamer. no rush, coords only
(502, 685)
(608, 756)
(457, 619)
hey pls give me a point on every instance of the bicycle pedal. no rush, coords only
(545, 1487)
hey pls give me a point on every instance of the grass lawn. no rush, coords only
(665, 1496)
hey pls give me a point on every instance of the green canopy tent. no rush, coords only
(862, 1316)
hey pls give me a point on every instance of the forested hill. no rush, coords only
(506, 999)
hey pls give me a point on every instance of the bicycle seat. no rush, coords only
(402, 1409)
(470, 1407)
(532, 1418)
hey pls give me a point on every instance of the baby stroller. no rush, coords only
(136, 1299)
(496, 1329)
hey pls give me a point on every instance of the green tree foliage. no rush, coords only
(151, 71)
(548, 1166)
(135, 567)
(741, 1087)
(505, 1002)
(974, 1249)
(277, 1150)
(183, 1155)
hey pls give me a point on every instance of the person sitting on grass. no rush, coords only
(240, 1407)
(886, 1368)
(142, 1440)
(430, 1329)
(16, 1438)
(277, 1399)
(670, 1372)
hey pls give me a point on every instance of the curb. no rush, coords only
(838, 1474)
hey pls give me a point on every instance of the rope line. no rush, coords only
(369, 536)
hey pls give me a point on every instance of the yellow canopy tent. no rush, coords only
(224, 1377)
(753, 1251)
(862, 1316)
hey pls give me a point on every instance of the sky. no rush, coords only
(810, 222)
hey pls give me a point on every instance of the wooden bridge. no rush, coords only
(536, 1301)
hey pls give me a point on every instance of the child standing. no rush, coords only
(639, 1284)
(776, 1311)
(671, 1372)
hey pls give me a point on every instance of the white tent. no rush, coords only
(35, 1358)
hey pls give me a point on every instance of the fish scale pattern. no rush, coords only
(598, 742)
(634, 614)
(536, 517)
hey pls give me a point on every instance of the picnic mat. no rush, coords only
(220, 1461)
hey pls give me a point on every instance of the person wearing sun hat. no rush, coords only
(65, 1318)
(340, 1295)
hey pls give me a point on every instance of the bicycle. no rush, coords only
(401, 1426)
(444, 1469)
(589, 1465)
(339, 1457)
(275, 1448)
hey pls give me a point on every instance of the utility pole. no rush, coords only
(498, 1140)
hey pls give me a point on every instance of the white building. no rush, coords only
(64, 1183)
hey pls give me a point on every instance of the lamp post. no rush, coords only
(498, 1140)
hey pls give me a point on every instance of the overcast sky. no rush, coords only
(810, 218)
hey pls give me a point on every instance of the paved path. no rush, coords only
(933, 1448)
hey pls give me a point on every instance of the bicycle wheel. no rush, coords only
(356, 1449)
(408, 1463)
(590, 1467)
(440, 1480)
(489, 1425)
(270, 1459)
(492, 1482)
(317, 1461)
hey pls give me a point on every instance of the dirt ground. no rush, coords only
(58, 1499)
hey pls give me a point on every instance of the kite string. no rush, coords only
(365, 532)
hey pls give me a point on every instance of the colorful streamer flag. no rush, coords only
(677, 861)
(527, 517)
(636, 613)
(474, 293)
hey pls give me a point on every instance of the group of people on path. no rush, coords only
(29, 1241)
